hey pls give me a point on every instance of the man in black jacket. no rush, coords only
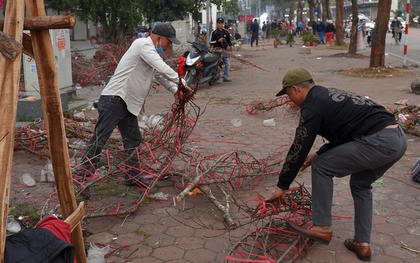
(220, 38)
(364, 141)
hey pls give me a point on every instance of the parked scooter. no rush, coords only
(202, 65)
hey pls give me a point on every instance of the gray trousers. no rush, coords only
(366, 159)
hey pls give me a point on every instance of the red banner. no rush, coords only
(1, 4)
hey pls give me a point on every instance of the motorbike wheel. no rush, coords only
(190, 79)
(215, 78)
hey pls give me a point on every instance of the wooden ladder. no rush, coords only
(38, 45)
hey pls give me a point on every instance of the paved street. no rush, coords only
(193, 229)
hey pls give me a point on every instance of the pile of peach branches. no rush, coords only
(274, 241)
(258, 106)
(102, 184)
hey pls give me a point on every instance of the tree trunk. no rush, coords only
(325, 10)
(354, 22)
(327, 5)
(377, 53)
(311, 10)
(292, 8)
(299, 11)
(318, 4)
(339, 28)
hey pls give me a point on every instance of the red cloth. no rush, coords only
(1, 4)
(58, 227)
(180, 66)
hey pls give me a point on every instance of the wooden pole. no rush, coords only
(47, 22)
(9, 47)
(9, 87)
(53, 114)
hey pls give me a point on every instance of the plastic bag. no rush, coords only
(47, 173)
(12, 225)
(96, 254)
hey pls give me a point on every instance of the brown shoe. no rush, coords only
(362, 252)
(322, 236)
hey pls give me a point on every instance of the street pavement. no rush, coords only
(193, 229)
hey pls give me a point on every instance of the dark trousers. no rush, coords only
(112, 113)
(254, 37)
(365, 159)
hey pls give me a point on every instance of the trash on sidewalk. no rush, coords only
(236, 122)
(379, 181)
(401, 102)
(269, 123)
(47, 173)
(96, 254)
(12, 226)
(27, 179)
(195, 191)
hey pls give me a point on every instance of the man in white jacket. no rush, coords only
(124, 96)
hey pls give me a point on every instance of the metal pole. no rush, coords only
(407, 23)
(208, 23)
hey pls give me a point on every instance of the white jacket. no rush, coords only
(132, 79)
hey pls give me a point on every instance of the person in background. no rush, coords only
(299, 27)
(264, 30)
(123, 98)
(274, 24)
(226, 26)
(320, 29)
(394, 24)
(329, 32)
(255, 29)
(364, 141)
(220, 38)
(290, 27)
(312, 24)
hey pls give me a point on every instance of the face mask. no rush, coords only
(159, 50)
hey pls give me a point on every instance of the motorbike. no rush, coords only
(202, 66)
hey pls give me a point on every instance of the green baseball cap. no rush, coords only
(292, 77)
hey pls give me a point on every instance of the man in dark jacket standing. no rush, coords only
(255, 28)
(364, 141)
(220, 38)
(320, 29)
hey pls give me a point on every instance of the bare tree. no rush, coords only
(377, 53)
(300, 6)
(354, 22)
(339, 28)
(311, 10)
(326, 12)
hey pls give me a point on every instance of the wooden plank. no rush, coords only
(53, 114)
(76, 217)
(47, 22)
(9, 47)
(27, 45)
(9, 87)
